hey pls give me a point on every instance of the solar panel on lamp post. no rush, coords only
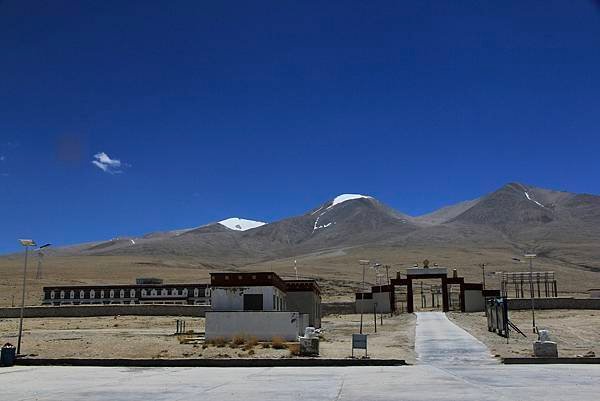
(531, 256)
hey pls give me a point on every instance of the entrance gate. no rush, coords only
(426, 273)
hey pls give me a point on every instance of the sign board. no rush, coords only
(359, 341)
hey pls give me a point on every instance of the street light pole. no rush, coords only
(531, 256)
(363, 263)
(26, 243)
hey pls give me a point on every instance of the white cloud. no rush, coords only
(108, 165)
(2, 158)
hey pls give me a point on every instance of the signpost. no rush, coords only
(359, 341)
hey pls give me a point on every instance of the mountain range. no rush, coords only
(557, 225)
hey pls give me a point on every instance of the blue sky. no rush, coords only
(266, 109)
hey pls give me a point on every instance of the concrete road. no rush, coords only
(438, 341)
(423, 382)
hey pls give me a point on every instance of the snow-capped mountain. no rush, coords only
(514, 216)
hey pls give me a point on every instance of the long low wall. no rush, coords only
(338, 308)
(106, 310)
(554, 303)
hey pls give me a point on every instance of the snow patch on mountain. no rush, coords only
(346, 197)
(533, 200)
(235, 223)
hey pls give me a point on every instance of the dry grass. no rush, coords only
(251, 342)
(217, 342)
(238, 340)
(277, 342)
(294, 349)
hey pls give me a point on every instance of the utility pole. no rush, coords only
(482, 265)
(364, 264)
(531, 256)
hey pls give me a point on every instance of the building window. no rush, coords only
(122, 294)
(164, 292)
(72, 294)
(111, 294)
(174, 292)
(92, 294)
(184, 292)
(253, 302)
(81, 294)
(62, 295)
(52, 294)
(196, 292)
(143, 293)
(101, 293)
(154, 292)
(132, 293)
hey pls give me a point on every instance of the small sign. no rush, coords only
(359, 341)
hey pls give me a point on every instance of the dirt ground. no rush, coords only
(153, 337)
(575, 331)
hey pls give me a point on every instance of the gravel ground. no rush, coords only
(153, 337)
(575, 331)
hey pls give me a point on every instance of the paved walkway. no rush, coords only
(438, 341)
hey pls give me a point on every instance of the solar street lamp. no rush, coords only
(364, 264)
(27, 243)
(531, 256)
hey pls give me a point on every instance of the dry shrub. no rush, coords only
(251, 352)
(265, 345)
(294, 349)
(251, 343)
(278, 342)
(217, 342)
(238, 340)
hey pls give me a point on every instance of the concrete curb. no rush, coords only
(532, 361)
(223, 363)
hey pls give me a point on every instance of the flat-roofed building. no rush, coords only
(260, 291)
(304, 296)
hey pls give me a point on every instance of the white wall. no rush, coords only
(232, 298)
(381, 298)
(262, 325)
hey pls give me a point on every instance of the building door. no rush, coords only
(253, 302)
